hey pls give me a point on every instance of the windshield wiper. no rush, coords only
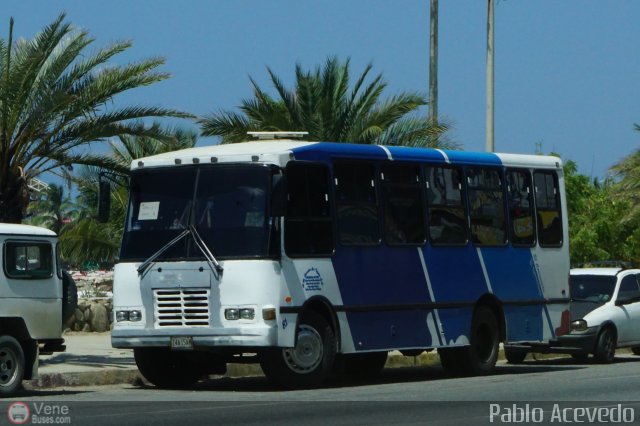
(211, 260)
(142, 268)
(216, 268)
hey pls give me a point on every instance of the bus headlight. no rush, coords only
(247, 313)
(231, 314)
(133, 316)
(122, 316)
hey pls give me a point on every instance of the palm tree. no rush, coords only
(88, 240)
(323, 104)
(627, 187)
(53, 210)
(53, 95)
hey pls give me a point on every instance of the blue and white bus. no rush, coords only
(306, 256)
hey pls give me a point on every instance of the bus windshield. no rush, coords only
(227, 205)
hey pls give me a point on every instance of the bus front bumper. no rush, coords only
(201, 338)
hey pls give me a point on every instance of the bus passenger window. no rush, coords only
(403, 205)
(486, 206)
(356, 203)
(446, 212)
(548, 209)
(308, 225)
(520, 202)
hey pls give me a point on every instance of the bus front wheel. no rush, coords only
(165, 368)
(308, 363)
(11, 365)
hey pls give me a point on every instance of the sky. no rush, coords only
(566, 71)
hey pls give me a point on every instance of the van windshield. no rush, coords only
(227, 204)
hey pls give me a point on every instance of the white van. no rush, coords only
(36, 297)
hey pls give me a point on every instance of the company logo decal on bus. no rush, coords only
(312, 281)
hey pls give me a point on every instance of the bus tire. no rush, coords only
(69, 296)
(12, 365)
(605, 350)
(167, 369)
(309, 362)
(482, 352)
(514, 356)
(368, 364)
(452, 360)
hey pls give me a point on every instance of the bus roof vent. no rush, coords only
(277, 135)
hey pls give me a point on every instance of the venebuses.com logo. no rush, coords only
(18, 413)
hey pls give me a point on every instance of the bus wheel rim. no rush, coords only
(308, 352)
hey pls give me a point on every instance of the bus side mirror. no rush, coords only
(104, 201)
(278, 202)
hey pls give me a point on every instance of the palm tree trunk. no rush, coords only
(14, 197)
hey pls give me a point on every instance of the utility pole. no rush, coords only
(490, 90)
(433, 65)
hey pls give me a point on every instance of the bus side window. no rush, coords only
(521, 213)
(486, 206)
(549, 218)
(403, 202)
(446, 210)
(356, 203)
(308, 224)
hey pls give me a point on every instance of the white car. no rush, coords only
(605, 312)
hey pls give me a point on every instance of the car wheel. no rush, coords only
(606, 346)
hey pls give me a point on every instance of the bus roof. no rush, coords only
(280, 151)
(18, 229)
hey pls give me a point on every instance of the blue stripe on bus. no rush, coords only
(513, 277)
(383, 275)
(326, 151)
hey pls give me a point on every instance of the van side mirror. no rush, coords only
(278, 202)
(104, 201)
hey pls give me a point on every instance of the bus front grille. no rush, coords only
(181, 308)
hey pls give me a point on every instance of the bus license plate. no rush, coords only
(181, 343)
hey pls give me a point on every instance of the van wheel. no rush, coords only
(167, 369)
(309, 362)
(606, 347)
(368, 364)
(514, 356)
(69, 296)
(11, 365)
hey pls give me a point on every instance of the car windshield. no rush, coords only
(227, 205)
(592, 288)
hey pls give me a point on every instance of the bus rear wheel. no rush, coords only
(481, 355)
(167, 369)
(309, 362)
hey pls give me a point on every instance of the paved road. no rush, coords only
(399, 396)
